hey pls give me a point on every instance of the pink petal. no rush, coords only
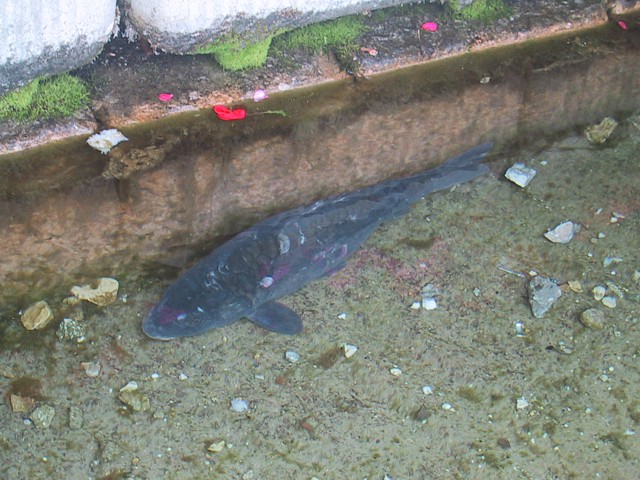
(429, 26)
(165, 97)
(260, 95)
(623, 25)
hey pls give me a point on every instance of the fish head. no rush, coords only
(182, 313)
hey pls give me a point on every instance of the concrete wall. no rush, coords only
(41, 37)
(46, 37)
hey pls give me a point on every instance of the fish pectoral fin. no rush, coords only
(277, 317)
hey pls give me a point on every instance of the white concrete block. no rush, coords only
(50, 36)
(179, 26)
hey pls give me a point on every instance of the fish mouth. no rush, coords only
(153, 330)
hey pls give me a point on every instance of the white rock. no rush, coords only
(429, 303)
(448, 407)
(349, 350)
(239, 405)
(520, 174)
(562, 233)
(106, 140)
(609, 301)
(598, 292)
(416, 306)
(396, 372)
(427, 390)
(292, 356)
(521, 403)
(92, 369)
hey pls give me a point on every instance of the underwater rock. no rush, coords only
(76, 418)
(105, 140)
(71, 329)
(92, 369)
(132, 397)
(104, 294)
(239, 405)
(610, 301)
(292, 356)
(543, 293)
(600, 133)
(349, 350)
(562, 233)
(519, 174)
(37, 316)
(21, 404)
(592, 318)
(599, 292)
(42, 416)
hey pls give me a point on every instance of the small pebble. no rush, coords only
(429, 303)
(448, 407)
(427, 390)
(521, 403)
(609, 301)
(37, 316)
(349, 350)
(543, 293)
(292, 356)
(239, 405)
(598, 292)
(396, 372)
(217, 446)
(592, 318)
(575, 286)
(42, 416)
(416, 306)
(92, 369)
(562, 233)
(520, 330)
(182, 376)
(519, 174)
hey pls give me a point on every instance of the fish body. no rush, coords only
(282, 254)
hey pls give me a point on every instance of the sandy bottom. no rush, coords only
(330, 417)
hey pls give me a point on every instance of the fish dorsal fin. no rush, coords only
(277, 317)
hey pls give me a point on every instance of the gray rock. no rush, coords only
(543, 293)
(42, 416)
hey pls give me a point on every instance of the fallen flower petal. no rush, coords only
(623, 25)
(260, 95)
(429, 26)
(165, 97)
(227, 114)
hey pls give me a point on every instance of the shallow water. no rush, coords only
(327, 416)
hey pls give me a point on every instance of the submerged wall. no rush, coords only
(63, 216)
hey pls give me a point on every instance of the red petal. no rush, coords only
(429, 26)
(226, 114)
(623, 25)
(165, 97)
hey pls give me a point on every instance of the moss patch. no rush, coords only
(233, 54)
(484, 10)
(323, 36)
(45, 98)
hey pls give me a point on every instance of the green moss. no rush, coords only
(324, 36)
(339, 36)
(484, 10)
(234, 54)
(45, 98)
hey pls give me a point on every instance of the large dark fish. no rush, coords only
(282, 254)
